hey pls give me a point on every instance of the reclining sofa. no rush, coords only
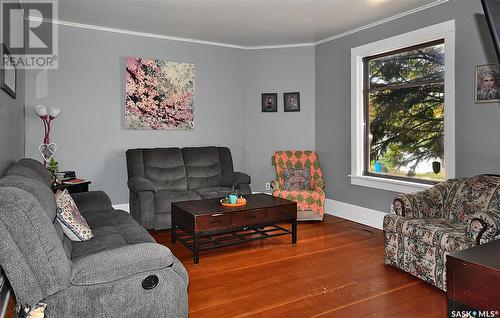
(120, 272)
(159, 176)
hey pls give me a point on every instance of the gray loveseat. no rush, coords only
(120, 272)
(159, 176)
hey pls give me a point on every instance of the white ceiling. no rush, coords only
(237, 22)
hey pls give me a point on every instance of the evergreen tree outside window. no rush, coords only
(404, 113)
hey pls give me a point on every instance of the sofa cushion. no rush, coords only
(203, 167)
(443, 233)
(63, 238)
(165, 167)
(226, 162)
(121, 263)
(164, 199)
(471, 195)
(111, 229)
(297, 178)
(213, 192)
(108, 218)
(92, 201)
(162, 221)
(41, 192)
(32, 169)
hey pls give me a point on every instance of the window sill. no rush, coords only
(388, 184)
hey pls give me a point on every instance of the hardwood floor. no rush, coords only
(336, 269)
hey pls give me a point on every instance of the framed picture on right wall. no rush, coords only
(487, 83)
(292, 102)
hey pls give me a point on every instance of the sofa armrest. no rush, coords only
(275, 185)
(237, 178)
(241, 178)
(484, 226)
(422, 204)
(141, 184)
(319, 184)
(92, 201)
(119, 263)
(402, 205)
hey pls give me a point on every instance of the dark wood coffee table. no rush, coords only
(205, 224)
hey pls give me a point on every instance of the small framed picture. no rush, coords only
(487, 83)
(8, 73)
(269, 102)
(292, 102)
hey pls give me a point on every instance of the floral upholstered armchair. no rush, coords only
(299, 178)
(453, 215)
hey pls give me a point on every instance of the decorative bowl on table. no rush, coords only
(240, 201)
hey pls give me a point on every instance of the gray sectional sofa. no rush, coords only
(120, 272)
(159, 176)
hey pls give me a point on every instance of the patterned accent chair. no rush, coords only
(310, 202)
(453, 215)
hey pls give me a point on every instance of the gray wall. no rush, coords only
(89, 88)
(12, 121)
(12, 125)
(277, 71)
(477, 125)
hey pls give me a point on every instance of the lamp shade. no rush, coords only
(41, 110)
(53, 112)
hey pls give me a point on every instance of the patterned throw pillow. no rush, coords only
(297, 178)
(73, 224)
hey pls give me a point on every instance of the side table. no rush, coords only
(72, 187)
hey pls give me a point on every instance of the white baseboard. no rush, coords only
(355, 213)
(125, 207)
(343, 210)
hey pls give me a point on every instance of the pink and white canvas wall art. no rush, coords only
(159, 94)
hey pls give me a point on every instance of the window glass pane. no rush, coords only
(419, 65)
(406, 132)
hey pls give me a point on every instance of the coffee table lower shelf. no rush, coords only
(197, 243)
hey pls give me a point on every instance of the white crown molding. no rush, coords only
(284, 46)
(134, 33)
(241, 47)
(379, 22)
(166, 37)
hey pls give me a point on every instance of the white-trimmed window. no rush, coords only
(403, 110)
